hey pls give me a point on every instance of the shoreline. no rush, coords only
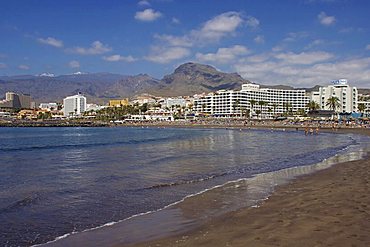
(327, 207)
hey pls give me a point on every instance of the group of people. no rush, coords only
(311, 131)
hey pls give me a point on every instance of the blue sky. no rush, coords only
(292, 42)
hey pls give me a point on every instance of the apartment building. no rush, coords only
(260, 102)
(17, 101)
(74, 105)
(346, 94)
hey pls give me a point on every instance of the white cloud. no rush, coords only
(223, 55)
(219, 27)
(252, 22)
(3, 66)
(143, 3)
(167, 54)
(325, 19)
(175, 20)
(96, 48)
(174, 40)
(116, 58)
(51, 41)
(316, 42)
(368, 47)
(259, 39)
(148, 15)
(74, 64)
(23, 67)
(267, 69)
(304, 57)
(211, 31)
(294, 36)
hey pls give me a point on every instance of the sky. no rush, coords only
(292, 42)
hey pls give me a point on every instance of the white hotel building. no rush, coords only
(74, 105)
(230, 103)
(346, 94)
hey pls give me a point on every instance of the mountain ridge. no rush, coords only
(186, 80)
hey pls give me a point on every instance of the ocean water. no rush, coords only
(55, 181)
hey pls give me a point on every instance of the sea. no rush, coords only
(74, 184)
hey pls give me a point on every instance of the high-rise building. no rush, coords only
(347, 96)
(17, 101)
(74, 105)
(263, 102)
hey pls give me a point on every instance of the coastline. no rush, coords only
(326, 208)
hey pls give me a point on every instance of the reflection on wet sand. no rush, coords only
(195, 210)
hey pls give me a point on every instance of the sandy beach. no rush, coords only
(328, 208)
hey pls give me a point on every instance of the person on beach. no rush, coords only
(305, 130)
(317, 131)
(311, 131)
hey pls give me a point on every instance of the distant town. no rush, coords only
(338, 100)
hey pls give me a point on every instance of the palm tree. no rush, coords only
(261, 103)
(258, 112)
(361, 107)
(274, 106)
(269, 110)
(252, 102)
(236, 105)
(313, 106)
(287, 105)
(203, 107)
(333, 103)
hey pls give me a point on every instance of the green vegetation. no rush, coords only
(313, 106)
(333, 103)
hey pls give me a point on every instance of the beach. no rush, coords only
(327, 208)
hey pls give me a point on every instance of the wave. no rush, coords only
(83, 145)
(330, 152)
(198, 180)
(249, 170)
(25, 202)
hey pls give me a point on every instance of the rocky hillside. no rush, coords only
(192, 78)
(98, 87)
(187, 79)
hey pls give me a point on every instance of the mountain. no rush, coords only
(98, 87)
(187, 79)
(192, 78)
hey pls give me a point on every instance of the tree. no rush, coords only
(313, 105)
(301, 112)
(333, 103)
(144, 108)
(288, 107)
(252, 102)
(258, 112)
(274, 106)
(203, 107)
(269, 110)
(262, 103)
(236, 105)
(361, 107)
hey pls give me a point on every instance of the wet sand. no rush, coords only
(328, 208)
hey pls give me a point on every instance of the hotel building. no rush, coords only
(346, 94)
(17, 101)
(74, 105)
(261, 102)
